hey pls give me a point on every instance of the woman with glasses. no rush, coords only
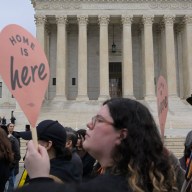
(125, 140)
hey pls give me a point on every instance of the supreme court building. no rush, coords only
(149, 38)
(99, 49)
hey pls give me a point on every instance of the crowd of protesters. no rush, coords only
(9, 154)
(121, 150)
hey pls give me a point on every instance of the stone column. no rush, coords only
(40, 21)
(179, 58)
(188, 55)
(82, 58)
(140, 70)
(127, 60)
(148, 57)
(40, 29)
(61, 59)
(47, 43)
(163, 50)
(104, 58)
(170, 56)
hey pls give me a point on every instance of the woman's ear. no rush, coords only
(123, 133)
(49, 145)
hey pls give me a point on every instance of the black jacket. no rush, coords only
(16, 151)
(88, 163)
(4, 173)
(64, 170)
(183, 162)
(77, 167)
(105, 183)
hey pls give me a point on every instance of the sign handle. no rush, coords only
(34, 136)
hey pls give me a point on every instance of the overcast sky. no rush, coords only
(18, 12)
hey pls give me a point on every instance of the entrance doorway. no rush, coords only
(115, 79)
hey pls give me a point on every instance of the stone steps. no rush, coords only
(175, 145)
(77, 114)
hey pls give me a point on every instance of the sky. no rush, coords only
(20, 12)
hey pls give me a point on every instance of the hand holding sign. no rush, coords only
(162, 102)
(24, 69)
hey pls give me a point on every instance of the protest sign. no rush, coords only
(162, 103)
(24, 69)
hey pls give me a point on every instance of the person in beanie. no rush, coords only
(52, 135)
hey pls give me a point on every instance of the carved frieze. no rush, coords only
(112, 5)
(111, 1)
(174, 5)
(56, 5)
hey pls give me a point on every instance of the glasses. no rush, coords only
(100, 119)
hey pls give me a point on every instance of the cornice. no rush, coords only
(112, 4)
(112, 1)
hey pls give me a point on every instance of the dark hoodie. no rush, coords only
(61, 171)
(64, 170)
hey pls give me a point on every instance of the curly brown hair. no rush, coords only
(141, 156)
(5, 147)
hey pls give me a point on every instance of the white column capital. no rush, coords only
(168, 19)
(126, 19)
(187, 19)
(40, 19)
(61, 19)
(82, 19)
(103, 19)
(148, 19)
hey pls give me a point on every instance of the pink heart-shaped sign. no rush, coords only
(24, 69)
(162, 102)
